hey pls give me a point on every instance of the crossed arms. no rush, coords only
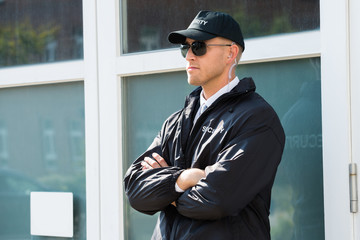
(188, 178)
(244, 168)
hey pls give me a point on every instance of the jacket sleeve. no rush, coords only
(244, 168)
(151, 190)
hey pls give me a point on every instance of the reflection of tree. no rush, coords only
(253, 25)
(281, 210)
(65, 183)
(23, 43)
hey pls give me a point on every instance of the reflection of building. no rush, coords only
(49, 128)
(47, 22)
(4, 155)
(14, 197)
(42, 148)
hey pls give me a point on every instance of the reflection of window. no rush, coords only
(4, 155)
(19, 184)
(149, 38)
(77, 143)
(50, 155)
(78, 49)
(50, 54)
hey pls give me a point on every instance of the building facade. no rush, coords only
(86, 85)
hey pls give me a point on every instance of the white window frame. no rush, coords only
(340, 103)
(354, 57)
(104, 67)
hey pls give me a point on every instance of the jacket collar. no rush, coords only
(245, 85)
(192, 101)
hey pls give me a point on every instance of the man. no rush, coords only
(211, 168)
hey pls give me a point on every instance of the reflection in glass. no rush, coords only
(166, 97)
(304, 145)
(40, 31)
(41, 149)
(146, 24)
(4, 156)
(293, 89)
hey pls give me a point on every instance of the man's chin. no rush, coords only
(193, 82)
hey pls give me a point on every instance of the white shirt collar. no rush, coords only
(222, 91)
(213, 98)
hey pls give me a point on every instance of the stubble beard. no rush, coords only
(194, 80)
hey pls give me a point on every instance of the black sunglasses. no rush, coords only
(198, 48)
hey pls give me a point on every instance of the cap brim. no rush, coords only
(180, 36)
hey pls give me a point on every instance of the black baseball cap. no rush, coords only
(207, 25)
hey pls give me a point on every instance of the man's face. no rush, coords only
(209, 69)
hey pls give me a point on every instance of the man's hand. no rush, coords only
(187, 178)
(190, 177)
(157, 162)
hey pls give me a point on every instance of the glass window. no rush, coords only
(293, 89)
(139, 133)
(146, 24)
(41, 149)
(40, 31)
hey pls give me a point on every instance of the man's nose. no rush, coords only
(190, 55)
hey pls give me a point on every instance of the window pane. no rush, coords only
(146, 24)
(41, 149)
(140, 133)
(293, 89)
(40, 31)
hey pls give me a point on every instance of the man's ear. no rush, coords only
(234, 50)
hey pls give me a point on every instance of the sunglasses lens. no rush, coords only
(198, 48)
(184, 49)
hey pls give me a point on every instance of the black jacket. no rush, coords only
(239, 141)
